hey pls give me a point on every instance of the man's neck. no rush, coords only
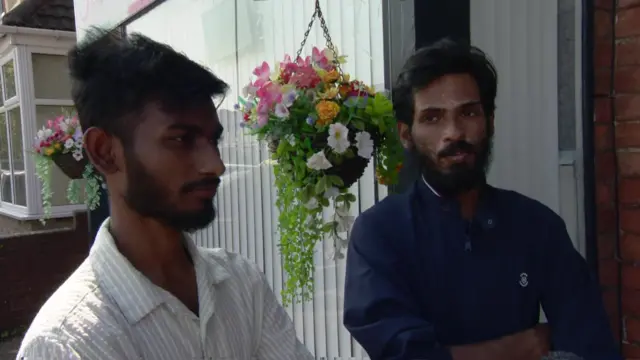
(468, 200)
(151, 247)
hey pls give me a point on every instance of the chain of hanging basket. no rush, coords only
(317, 14)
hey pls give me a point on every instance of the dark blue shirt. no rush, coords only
(420, 278)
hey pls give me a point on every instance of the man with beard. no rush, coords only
(455, 268)
(146, 291)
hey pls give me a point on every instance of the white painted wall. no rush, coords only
(521, 37)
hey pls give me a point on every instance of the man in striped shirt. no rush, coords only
(146, 291)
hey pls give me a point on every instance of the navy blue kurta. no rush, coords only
(420, 278)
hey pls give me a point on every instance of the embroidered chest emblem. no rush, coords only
(524, 279)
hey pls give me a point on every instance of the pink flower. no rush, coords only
(320, 59)
(303, 62)
(263, 107)
(262, 120)
(269, 93)
(262, 72)
(305, 78)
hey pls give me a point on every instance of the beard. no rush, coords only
(146, 196)
(461, 177)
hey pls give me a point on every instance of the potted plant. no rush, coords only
(60, 142)
(323, 129)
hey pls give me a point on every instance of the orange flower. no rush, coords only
(331, 76)
(344, 90)
(327, 111)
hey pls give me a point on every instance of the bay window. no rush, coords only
(35, 87)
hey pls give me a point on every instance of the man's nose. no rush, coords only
(454, 129)
(209, 161)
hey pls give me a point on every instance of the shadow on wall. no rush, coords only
(33, 265)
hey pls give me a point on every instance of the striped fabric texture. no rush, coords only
(108, 310)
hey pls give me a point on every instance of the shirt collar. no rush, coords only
(486, 213)
(134, 293)
(429, 186)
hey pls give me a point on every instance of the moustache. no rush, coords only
(456, 148)
(204, 183)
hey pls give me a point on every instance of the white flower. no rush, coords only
(249, 91)
(318, 161)
(281, 111)
(77, 155)
(331, 192)
(69, 144)
(63, 126)
(311, 204)
(289, 98)
(291, 139)
(364, 143)
(338, 138)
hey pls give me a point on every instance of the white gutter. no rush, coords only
(14, 30)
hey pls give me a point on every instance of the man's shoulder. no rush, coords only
(237, 266)
(534, 209)
(392, 205)
(76, 312)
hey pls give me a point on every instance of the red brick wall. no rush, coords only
(617, 112)
(33, 266)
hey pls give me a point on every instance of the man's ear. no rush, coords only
(99, 147)
(405, 135)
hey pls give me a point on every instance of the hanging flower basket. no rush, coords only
(69, 165)
(322, 129)
(60, 142)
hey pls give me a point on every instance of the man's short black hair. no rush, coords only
(115, 76)
(444, 57)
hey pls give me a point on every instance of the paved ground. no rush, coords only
(9, 348)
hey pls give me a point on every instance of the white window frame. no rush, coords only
(9, 208)
(21, 53)
(29, 104)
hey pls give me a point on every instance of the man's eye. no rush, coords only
(430, 118)
(184, 139)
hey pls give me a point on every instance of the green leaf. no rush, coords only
(329, 226)
(358, 124)
(324, 201)
(336, 180)
(349, 154)
(321, 186)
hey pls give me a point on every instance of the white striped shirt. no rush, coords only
(109, 310)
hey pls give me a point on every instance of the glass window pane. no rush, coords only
(9, 78)
(6, 190)
(17, 158)
(59, 181)
(51, 77)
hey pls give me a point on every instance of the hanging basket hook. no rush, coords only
(317, 13)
